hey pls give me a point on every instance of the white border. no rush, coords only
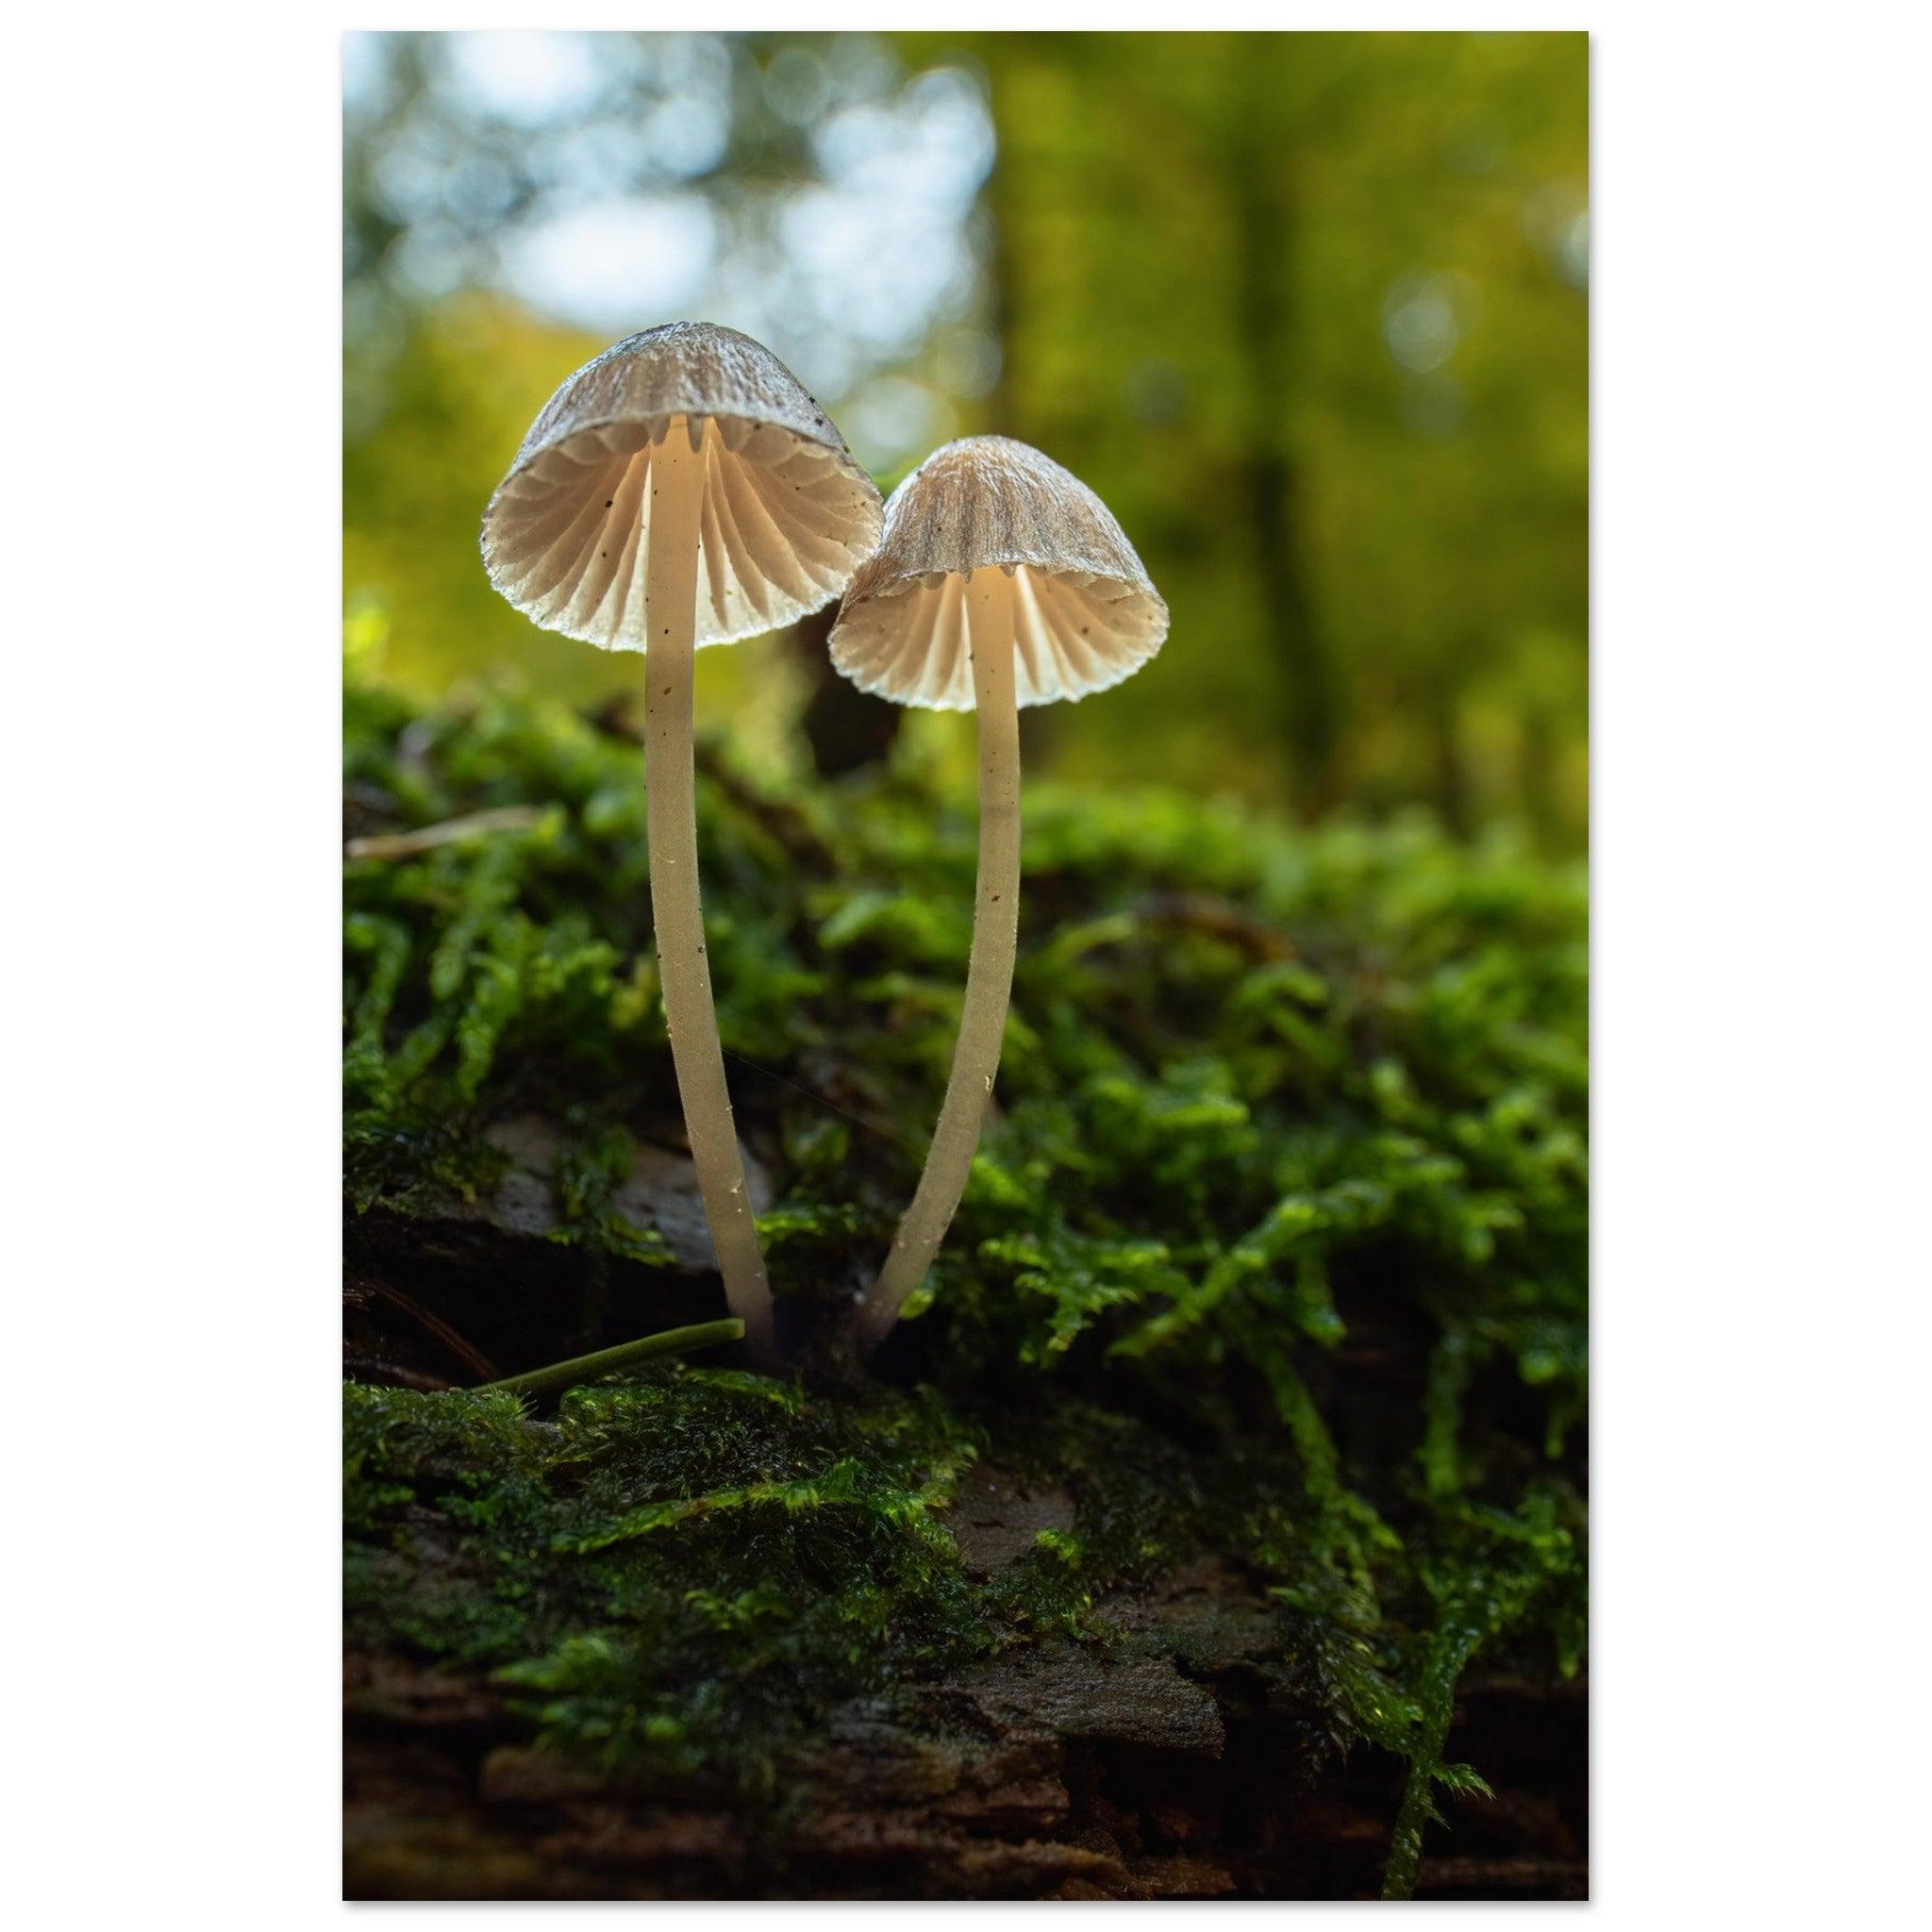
(1761, 651)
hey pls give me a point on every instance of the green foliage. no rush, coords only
(1290, 1153)
(684, 1568)
(1306, 309)
(1498, 1567)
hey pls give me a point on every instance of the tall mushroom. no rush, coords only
(1001, 581)
(682, 489)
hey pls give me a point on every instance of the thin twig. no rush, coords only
(586, 1368)
(473, 1358)
(818, 1099)
(475, 824)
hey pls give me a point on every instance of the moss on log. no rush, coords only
(1225, 1495)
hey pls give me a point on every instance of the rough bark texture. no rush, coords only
(1185, 1762)
(1183, 1766)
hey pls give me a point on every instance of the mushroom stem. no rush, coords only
(671, 581)
(990, 973)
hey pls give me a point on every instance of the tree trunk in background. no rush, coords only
(845, 728)
(1537, 778)
(1002, 269)
(1259, 174)
(1003, 198)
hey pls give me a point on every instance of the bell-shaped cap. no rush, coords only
(1084, 614)
(788, 513)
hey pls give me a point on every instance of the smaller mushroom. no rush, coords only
(1001, 580)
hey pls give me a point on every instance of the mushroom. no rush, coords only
(683, 490)
(1001, 581)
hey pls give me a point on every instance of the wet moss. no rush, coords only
(1275, 1249)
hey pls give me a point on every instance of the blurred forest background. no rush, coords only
(1308, 310)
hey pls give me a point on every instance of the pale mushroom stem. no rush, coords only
(990, 973)
(671, 589)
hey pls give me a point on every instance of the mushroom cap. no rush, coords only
(788, 513)
(1085, 615)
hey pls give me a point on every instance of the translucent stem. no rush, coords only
(671, 591)
(990, 974)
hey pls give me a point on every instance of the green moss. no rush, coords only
(684, 1568)
(1291, 1156)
